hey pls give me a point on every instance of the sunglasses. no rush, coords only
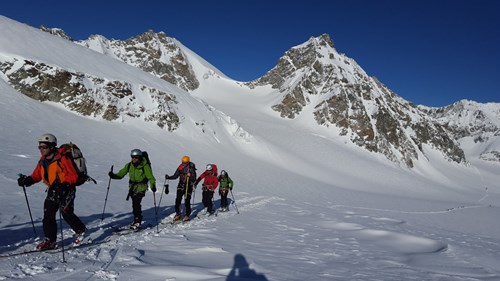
(136, 157)
(43, 147)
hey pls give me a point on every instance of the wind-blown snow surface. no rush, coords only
(311, 207)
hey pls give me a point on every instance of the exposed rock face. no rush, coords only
(57, 32)
(312, 78)
(152, 52)
(89, 95)
(343, 95)
(468, 119)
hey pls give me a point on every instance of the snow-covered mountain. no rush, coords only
(314, 80)
(314, 203)
(472, 122)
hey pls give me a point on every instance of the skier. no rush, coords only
(58, 173)
(140, 173)
(209, 185)
(225, 185)
(186, 172)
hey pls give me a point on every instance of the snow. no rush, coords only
(311, 206)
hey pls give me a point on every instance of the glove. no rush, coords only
(167, 177)
(21, 180)
(153, 188)
(111, 174)
(25, 180)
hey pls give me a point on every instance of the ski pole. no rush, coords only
(156, 213)
(29, 209)
(213, 206)
(194, 193)
(234, 202)
(62, 236)
(106, 199)
(165, 185)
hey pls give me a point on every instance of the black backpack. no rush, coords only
(145, 155)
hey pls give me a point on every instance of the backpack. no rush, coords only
(189, 168)
(73, 152)
(214, 169)
(145, 155)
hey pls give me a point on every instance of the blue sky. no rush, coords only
(430, 52)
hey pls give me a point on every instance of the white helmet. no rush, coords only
(49, 138)
(135, 152)
(209, 167)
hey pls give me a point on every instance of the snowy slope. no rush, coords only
(311, 207)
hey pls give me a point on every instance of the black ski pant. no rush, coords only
(66, 204)
(223, 198)
(136, 206)
(207, 200)
(181, 192)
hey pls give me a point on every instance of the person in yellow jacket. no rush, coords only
(140, 173)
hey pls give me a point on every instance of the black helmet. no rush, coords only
(223, 172)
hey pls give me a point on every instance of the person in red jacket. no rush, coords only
(209, 185)
(58, 173)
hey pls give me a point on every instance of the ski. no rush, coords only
(86, 240)
(124, 231)
(51, 251)
(174, 222)
(206, 214)
(127, 230)
(69, 247)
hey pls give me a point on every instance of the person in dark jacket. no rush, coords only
(58, 173)
(225, 185)
(209, 185)
(186, 172)
(140, 173)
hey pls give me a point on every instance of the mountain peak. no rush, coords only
(56, 31)
(322, 40)
(153, 52)
(313, 79)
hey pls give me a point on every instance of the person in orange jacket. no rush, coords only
(209, 185)
(58, 173)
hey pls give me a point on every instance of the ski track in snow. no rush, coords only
(108, 251)
(380, 246)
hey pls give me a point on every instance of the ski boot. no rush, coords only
(47, 244)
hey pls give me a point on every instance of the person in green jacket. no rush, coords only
(140, 173)
(225, 185)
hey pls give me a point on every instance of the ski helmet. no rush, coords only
(136, 152)
(223, 172)
(209, 167)
(185, 159)
(48, 138)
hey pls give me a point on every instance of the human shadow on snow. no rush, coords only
(241, 271)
